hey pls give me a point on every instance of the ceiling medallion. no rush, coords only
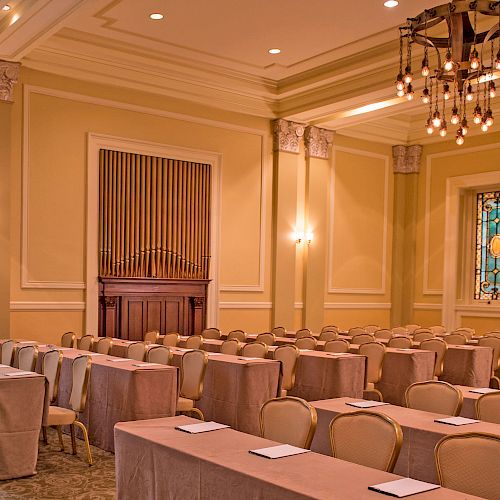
(459, 67)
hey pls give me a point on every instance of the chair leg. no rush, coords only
(86, 438)
(198, 412)
(374, 393)
(44, 434)
(59, 433)
(73, 438)
(495, 382)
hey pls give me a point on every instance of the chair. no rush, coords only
(357, 330)
(68, 339)
(254, 350)
(492, 334)
(288, 420)
(494, 343)
(366, 438)
(238, 335)
(330, 328)
(7, 352)
(211, 333)
(136, 351)
(51, 368)
(371, 328)
(306, 343)
(399, 330)
(421, 330)
(194, 342)
(437, 330)
(304, 332)
(279, 331)
(103, 345)
(434, 396)
(85, 343)
(468, 332)
(362, 338)
(469, 463)
(25, 358)
(383, 334)
(412, 327)
(159, 354)
(338, 345)
(440, 347)
(171, 339)
(193, 367)
(455, 338)
(327, 335)
(152, 337)
(266, 338)
(375, 353)
(231, 347)
(400, 342)
(288, 355)
(488, 407)
(58, 416)
(421, 336)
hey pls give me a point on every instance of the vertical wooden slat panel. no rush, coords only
(151, 189)
(164, 242)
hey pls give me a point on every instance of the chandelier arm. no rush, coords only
(421, 40)
(490, 35)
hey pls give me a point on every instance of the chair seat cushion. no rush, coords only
(185, 404)
(60, 416)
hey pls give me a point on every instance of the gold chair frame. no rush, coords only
(379, 376)
(294, 369)
(35, 356)
(441, 383)
(195, 410)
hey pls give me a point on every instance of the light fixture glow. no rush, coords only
(156, 16)
(391, 3)
(274, 51)
(7, 7)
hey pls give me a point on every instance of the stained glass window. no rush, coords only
(487, 285)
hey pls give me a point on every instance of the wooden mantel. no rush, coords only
(129, 307)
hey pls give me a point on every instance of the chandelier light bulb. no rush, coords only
(448, 64)
(492, 89)
(409, 92)
(428, 126)
(425, 96)
(474, 59)
(425, 67)
(443, 130)
(465, 127)
(408, 78)
(497, 61)
(469, 94)
(477, 116)
(455, 119)
(400, 93)
(460, 139)
(446, 92)
(489, 118)
(484, 127)
(436, 119)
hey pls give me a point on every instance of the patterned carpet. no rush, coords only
(65, 476)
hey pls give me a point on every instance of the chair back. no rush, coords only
(136, 351)
(375, 353)
(437, 330)
(337, 345)
(419, 330)
(266, 338)
(362, 338)
(304, 332)
(330, 328)
(238, 335)
(434, 396)
(80, 382)
(231, 347)
(439, 346)
(365, 438)
(159, 354)
(421, 336)
(288, 420)
(383, 334)
(371, 328)
(400, 342)
(468, 332)
(254, 350)
(211, 333)
(85, 343)
(279, 331)
(152, 336)
(51, 368)
(7, 350)
(357, 330)
(25, 358)
(288, 355)
(494, 343)
(193, 367)
(488, 407)
(455, 338)
(194, 342)
(103, 345)
(327, 335)
(399, 330)
(412, 327)
(493, 334)
(68, 339)
(306, 343)
(469, 463)
(171, 339)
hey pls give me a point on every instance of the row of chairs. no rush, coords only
(23, 357)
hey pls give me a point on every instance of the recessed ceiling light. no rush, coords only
(156, 16)
(274, 51)
(6, 7)
(391, 3)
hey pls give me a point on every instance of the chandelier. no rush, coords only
(461, 80)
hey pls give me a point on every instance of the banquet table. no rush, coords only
(22, 404)
(420, 434)
(119, 391)
(469, 402)
(154, 460)
(467, 365)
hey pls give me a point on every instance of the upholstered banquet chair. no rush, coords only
(152, 336)
(494, 343)
(421, 329)
(327, 335)
(51, 369)
(488, 407)
(306, 343)
(136, 351)
(468, 332)
(365, 438)
(455, 338)
(86, 342)
(362, 338)
(211, 333)
(469, 463)
(288, 355)
(371, 328)
(237, 334)
(399, 330)
(103, 345)
(193, 367)
(279, 331)
(254, 350)
(440, 347)
(435, 397)
(356, 330)
(330, 328)
(412, 327)
(194, 342)
(304, 332)
(159, 354)
(7, 352)
(337, 345)
(266, 338)
(383, 334)
(400, 342)
(68, 339)
(493, 334)
(58, 416)
(437, 329)
(231, 347)
(288, 420)
(25, 358)
(375, 353)
(171, 339)
(420, 336)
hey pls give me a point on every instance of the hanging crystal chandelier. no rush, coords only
(465, 64)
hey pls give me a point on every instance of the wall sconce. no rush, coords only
(309, 237)
(299, 237)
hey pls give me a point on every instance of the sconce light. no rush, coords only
(309, 237)
(299, 237)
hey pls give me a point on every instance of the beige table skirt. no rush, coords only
(468, 365)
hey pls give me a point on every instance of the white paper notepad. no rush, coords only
(215, 353)
(403, 487)
(118, 360)
(249, 359)
(456, 421)
(5, 366)
(280, 451)
(483, 390)
(95, 354)
(203, 427)
(19, 374)
(366, 404)
(146, 365)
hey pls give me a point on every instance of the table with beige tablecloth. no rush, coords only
(420, 434)
(22, 402)
(154, 460)
(467, 365)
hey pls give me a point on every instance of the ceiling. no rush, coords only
(337, 59)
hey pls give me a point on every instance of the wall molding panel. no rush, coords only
(357, 305)
(245, 305)
(47, 306)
